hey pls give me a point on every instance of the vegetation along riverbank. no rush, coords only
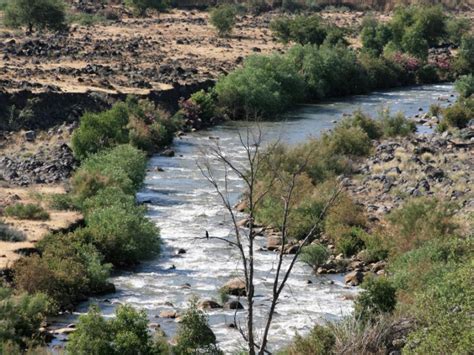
(370, 198)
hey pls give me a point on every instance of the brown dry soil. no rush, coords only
(136, 55)
(34, 230)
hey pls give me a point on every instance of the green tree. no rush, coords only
(223, 19)
(39, 14)
(378, 297)
(140, 6)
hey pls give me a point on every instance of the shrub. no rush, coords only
(382, 73)
(374, 36)
(350, 242)
(378, 297)
(301, 29)
(101, 130)
(194, 334)
(329, 71)
(109, 196)
(457, 115)
(127, 333)
(320, 341)
(465, 85)
(123, 167)
(223, 19)
(27, 211)
(456, 28)
(314, 255)
(39, 14)
(8, 234)
(265, 86)
(140, 6)
(445, 312)
(414, 43)
(123, 235)
(375, 248)
(22, 315)
(464, 62)
(63, 202)
(417, 221)
(348, 141)
(397, 125)
(359, 119)
(206, 103)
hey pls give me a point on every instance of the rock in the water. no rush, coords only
(354, 278)
(168, 153)
(235, 287)
(233, 305)
(273, 241)
(208, 304)
(168, 314)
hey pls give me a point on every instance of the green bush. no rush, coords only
(27, 211)
(320, 341)
(348, 141)
(374, 36)
(418, 221)
(414, 43)
(123, 235)
(101, 130)
(265, 86)
(456, 28)
(301, 29)
(127, 333)
(140, 6)
(457, 115)
(39, 14)
(350, 243)
(314, 255)
(63, 202)
(397, 125)
(8, 234)
(361, 120)
(378, 297)
(106, 197)
(206, 103)
(375, 248)
(123, 166)
(445, 312)
(464, 63)
(465, 85)
(382, 73)
(223, 19)
(329, 71)
(69, 269)
(22, 315)
(194, 334)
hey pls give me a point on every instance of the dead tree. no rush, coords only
(256, 157)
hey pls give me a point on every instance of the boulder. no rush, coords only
(241, 206)
(273, 241)
(168, 314)
(168, 153)
(354, 278)
(234, 304)
(208, 304)
(235, 287)
(30, 136)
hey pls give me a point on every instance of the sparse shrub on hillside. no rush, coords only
(350, 242)
(27, 211)
(417, 221)
(223, 19)
(307, 30)
(63, 202)
(36, 14)
(141, 6)
(194, 334)
(22, 315)
(378, 297)
(359, 119)
(8, 234)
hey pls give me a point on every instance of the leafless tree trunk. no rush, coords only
(255, 158)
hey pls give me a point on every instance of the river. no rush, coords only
(184, 206)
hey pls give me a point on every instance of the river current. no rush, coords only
(184, 205)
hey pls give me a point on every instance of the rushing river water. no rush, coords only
(184, 206)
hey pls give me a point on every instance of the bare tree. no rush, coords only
(256, 159)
